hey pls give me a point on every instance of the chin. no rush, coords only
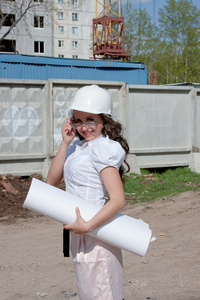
(89, 138)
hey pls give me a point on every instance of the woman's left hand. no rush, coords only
(79, 226)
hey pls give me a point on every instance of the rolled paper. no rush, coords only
(123, 231)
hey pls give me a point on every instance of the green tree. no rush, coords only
(141, 37)
(179, 23)
(129, 32)
(171, 48)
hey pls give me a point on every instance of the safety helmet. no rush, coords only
(92, 99)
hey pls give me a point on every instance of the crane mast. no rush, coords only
(108, 31)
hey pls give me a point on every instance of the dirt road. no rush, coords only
(33, 267)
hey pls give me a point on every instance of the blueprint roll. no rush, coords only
(123, 231)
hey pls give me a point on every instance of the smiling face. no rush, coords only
(88, 125)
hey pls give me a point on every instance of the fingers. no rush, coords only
(67, 126)
(78, 214)
(67, 130)
(67, 226)
(72, 226)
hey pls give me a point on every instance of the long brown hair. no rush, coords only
(113, 130)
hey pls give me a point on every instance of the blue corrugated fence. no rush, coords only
(42, 68)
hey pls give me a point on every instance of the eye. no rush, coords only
(78, 121)
(90, 119)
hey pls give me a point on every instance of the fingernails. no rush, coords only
(67, 130)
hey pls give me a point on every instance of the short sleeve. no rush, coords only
(107, 153)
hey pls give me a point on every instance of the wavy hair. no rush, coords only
(113, 130)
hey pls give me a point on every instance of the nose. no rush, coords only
(84, 126)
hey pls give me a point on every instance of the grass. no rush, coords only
(150, 186)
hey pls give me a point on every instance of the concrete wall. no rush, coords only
(160, 123)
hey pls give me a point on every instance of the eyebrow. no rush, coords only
(88, 117)
(76, 119)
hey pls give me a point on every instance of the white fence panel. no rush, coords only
(23, 126)
(160, 124)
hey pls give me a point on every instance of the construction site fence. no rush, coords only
(160, 123)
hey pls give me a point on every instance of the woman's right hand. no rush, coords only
(55, 175)
(68, 132)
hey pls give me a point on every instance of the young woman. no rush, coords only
(90, 167)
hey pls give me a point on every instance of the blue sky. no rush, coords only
(152, 6)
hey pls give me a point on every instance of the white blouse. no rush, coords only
(84, 162)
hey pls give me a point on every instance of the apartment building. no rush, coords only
(73, 28)
(58, 28)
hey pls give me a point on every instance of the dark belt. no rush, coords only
(66, 242)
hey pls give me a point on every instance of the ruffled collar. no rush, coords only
(84, 144)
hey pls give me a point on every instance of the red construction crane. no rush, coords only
(108, 31)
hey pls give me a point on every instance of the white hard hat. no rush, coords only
(92, 99)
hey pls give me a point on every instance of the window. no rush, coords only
(38, 1)
(38, 47)
(60, 43)
(60, 29)
(75, 3)
(74, 44)
(8, 46)
(60, 2)
(8, 19)
(75, 56)
(74, 16)
(60, 15)
(61, 55)
(38, 22)
(75, 30)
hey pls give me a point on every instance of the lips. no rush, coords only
(87, 134)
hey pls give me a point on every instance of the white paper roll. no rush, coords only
(123, 231)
